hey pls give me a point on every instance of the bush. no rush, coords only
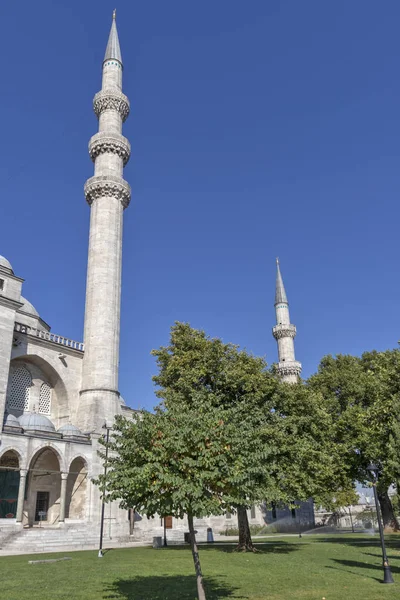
(254, 530)
(230, 531)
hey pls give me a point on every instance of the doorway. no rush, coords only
(168, 522)
(42, 506)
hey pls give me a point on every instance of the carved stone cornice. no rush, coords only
(101, 186)
(10, 303)
(289, 368)
(111, 99)
(282, 331)
(109, 142)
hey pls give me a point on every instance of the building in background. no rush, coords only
(284, 332)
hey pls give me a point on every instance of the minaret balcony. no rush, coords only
(101, 186)
(282, 331)
(290, 367)
(109, 142)
(111, 99)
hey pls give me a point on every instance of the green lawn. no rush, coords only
(335, 568)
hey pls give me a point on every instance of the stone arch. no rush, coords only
(48, 446)
(77, 485)
(44, 486)
(43, 372)
(17, 451)
(10, 463)
(78, 455)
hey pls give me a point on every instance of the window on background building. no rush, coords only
(273, 510)
(253, 512)
(45, 399)
(19, 389)
(293, 513)
(228, 515)
(1, 285)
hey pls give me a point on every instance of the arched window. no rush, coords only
(19, 389)
(9, 484)
(45, 399)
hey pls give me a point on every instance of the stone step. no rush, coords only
(32, 540)
(15, 543)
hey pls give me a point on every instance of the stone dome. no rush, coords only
(28, 307)
(5, 263)
(11, 421)
(35, 422)
(70, 430)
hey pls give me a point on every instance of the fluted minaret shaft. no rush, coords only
(108, 194)
(284, 332)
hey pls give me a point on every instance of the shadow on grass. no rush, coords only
(167, 588)
(353, 573)
(267, 548)
(362, 565)
(359, 542)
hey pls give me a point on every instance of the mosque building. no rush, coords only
(58, 395)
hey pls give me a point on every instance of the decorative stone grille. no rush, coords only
(19, 389)
(45, 399)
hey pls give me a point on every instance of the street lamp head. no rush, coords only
(373, 469)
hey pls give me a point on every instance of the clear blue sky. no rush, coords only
(258, 129)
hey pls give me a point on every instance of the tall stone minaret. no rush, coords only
(108, 194)
(284, 333)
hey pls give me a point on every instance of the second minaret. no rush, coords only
(284, 332)
(108, 194)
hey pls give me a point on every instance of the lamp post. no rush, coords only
(103, 504)
(387, 573)
(165, 532)
(351, 520)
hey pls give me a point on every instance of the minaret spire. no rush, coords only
(284, 332)
(107, 194)
(113, 50)
(280, 294)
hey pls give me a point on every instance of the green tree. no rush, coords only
(362, 395)
(278, 445)
(171, 462)
(341, 502)
(194, 366)
(225, 435)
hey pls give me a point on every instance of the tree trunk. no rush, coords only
(131, 520)
(245, 544)
(388, 516)
(195, 553)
